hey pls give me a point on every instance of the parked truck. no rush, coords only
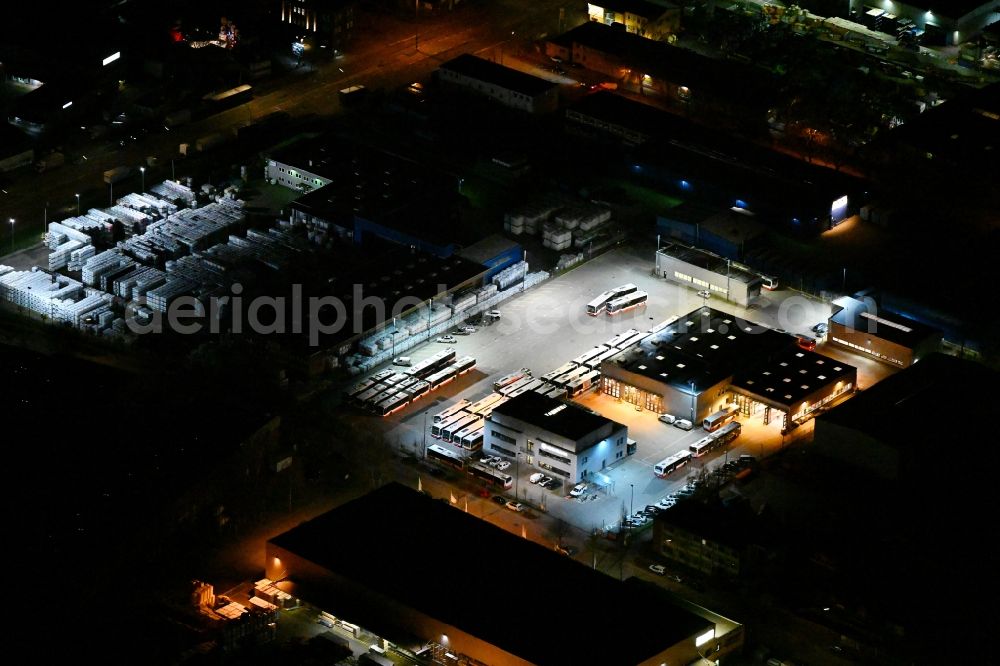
(117, 174)
(50, 161)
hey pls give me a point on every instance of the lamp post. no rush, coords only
(631, 500)
(77, 204)
(142, 170)
(11, 234)
(692, 401)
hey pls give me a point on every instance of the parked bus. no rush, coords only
(435, 363)
(625, 303)
(630, 340)
(351, 394)
(511, 378)
(463, 365)
(584, 383)
(439, 427)
(561, 370)
(484, 405)
(459, 433)
(510, 388)
(384, 395)
(443, 456)
(768, 282)
(489, 410)
(704, 445)
(440, 378)
(448, 431)
(393, 404)
(599, 304)
(419, 389)
(454, 409)
(727, 433)
(491, 476)
(720, 418)
(473, 441)
(589, 354)
(672, 463)
(530, 386)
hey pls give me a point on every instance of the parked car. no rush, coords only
(669, 419)
(514, 506)
(578, 490)
(683, 424)
(486, 460)
(536, 477)
(809, 344)
(492, 314)
(496, 462)
(503, 464)
(448, 339)
(658, 569)
(499, 499)
(652, 509)
(547, 482)
(402, 360)
(466, 330)
(820, 328)
(666, 503)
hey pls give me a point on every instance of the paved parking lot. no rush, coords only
(548, 326)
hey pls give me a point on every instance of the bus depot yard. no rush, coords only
(546, 342)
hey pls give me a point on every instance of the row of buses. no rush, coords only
(388, 391)
(448, 458)
(617, 300)
(720, 438)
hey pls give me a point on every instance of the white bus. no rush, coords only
(443, 456)
(449, 431)
(439, 427)
(591, 353)
(704, 445)
(720, 418)
(727, 433)
(510, 388)
(492, 476)
(473, 441)
(633, 300)
(768, 282)
(530, 386)
(454, 409)
(463, 365)
(671, 463)
(441, 377)
(584, 383)
(511, 378)
(599, 304)
(484, 405)
(561, 370)
(393, 404)
(419, 389)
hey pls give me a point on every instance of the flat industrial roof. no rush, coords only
(704, 346)
(419, 550)
(643, 8)
(917, 407)
(708, 261)
(488, 248)
(561, 418)
(505, 77)
(869, 317)
(792, 374)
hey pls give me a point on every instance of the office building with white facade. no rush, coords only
(555, 436)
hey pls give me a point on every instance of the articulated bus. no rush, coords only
(630, 340)
(444, 456)
(593, 352)
(440, 378)
(381, 397)
(484, 405)
(510, 388)
(625, 303)
(595, 363)
(358, 389)
(530, 386)
(448, 431)
(429, 366)
(458, 435)
(419, 389)
(715, 421)
(439, 427)
(463, 365)
(672, 463)
(511, 378)
(451, 411)
(492, 476)
(584, 383)
(727, 433)
(704, 445)
(558, 372)
(474, 440)
(373, 390)
(599, 304)
(393, 404)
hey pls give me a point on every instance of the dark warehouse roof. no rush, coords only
(430, 576)
(505, 77)
(562, 418)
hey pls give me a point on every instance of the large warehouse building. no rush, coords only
(395, 563)
(555, 436)
(699, 269)
(863, 327)
(708, 360)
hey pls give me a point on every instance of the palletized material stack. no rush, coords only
(102, 264)
(510, 275)
(554, 236)
(485, 293)
(463, 302)
(159, 298)
(79, 256)
(40, 292)
(529, 217)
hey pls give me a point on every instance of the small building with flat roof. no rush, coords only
(864, 327)
(728, 232)
(508, 86)
(652, 20)
(403, 580)
(942, 23)
(701, 270)
(555, 436)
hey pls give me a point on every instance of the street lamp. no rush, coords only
(631, 500)
(77, 203)
(11, 234)
(692, 401)
(142, 170)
